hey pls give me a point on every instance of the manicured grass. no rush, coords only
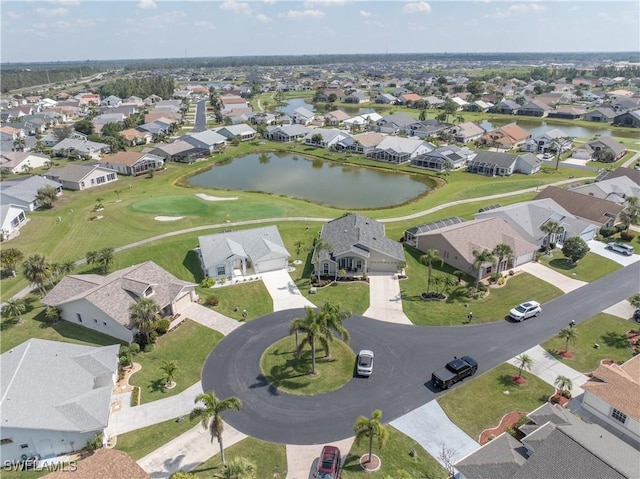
(34, 326)
(141, 442)
(588, 269)
(396, 459)
(174, 205)
(270, 459)
(287, 373)
(349, 296)
(481, 403)
(453, 311)
(189, 344)
(252, 296)
(603, 329)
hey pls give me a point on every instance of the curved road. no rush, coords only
(405, 357)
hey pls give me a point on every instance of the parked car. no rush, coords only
(329, 463)
(365, 363)
(525, 311)
(636, 315)
(547, 156)
(454, 371)
(621, 248)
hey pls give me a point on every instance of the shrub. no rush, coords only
(607, 231)
(162, 326)
(552, 246)
(208, 282)
(134, 348)
(212, 301)
(148, 348)
(501, 281)
(95, 443)
(135, 396)
(153, 336)
(627, 235)
(555, 400)
(124, 360)
(620, 227)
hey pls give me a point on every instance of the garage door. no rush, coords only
(182, 303)
(382, 267)
(271, 265)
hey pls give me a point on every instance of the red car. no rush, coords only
(329, 463)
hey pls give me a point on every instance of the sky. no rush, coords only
(69, 30)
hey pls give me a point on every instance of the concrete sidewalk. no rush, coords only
(302, 461)
(283, 291)
(549, 275)
(385, 300)
(623, 310)
(187, 451)
(430, 427)
(210, 318)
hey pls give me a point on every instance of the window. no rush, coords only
(220, 270)
(325, 268)
(489, 269)
(100, 180)
(24, 446)
(619, 416)
(79, 316)
(95, 320)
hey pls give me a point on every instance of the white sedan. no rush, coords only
(365, 363)
(525, 311)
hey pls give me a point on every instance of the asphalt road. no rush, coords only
(405, 357)
(201, 117)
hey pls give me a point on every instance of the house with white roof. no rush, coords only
(325, 138)
(23, 192)
(55, 397)
(241, 131)
(12, 218)
(207, 139)
(22, 161)
(550, 141)
(243, 252)
(362, 121)
(81, 176)
(396, 149)
(80, 147)
(302, 116)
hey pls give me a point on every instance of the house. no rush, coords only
(56, 397)
(590, 149)
(534, 107)
(617, 189)
(411, 234)
(111, 101)
(322, 138)
(395, 149)
(262, 118)
(302, 116)
(394, 124)
(15, 162)
(357, 97)
(132, 163)
(179, 151)
(612, 395)
(242, 132)
(104, 463)
(335, 118)
(556, 443)
(358, 246)
(362, 121)
(385, 99)
(409, 99)
(459, 102)
(362, 143)
(72, 147)
(590, 208)
(507, 107)
(102, 303)
(207, 140)
(466, 132)
(136, 137)
(550, 141)
(528, 217)
(426, 128)
(243, 252)
(567, 113)
(507, 137)
(603, 114)
(286, 133)
(12, 218)
(23, 192)
(628, 119)
(456, 244)
(495, 163)
(447, 157)
(81, 176)
(479, 106)
(632, 174)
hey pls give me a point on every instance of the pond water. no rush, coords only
(323, 182)
(538, 127)
(294, 103)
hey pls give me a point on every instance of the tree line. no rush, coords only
(163, 86)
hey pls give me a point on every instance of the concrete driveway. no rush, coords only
(302, 461)
(385, 301)
(283, 291)
(549, 275)
(599, 248)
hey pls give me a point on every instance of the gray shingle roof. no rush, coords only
(73, 172)
(26, 189)
(502, 160)
(52, 385)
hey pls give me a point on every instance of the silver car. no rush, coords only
(621, 248)
(365, 363)
(525, 311)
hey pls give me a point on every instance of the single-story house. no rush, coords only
(465, 132)
(394, 124)
(243, 252)
(444, 157)
(426, 128)
(479, 106)
(111, 101)
(180, 151)
(23, 192)
(15, 162)
(132, 163)
(534, 107)
(590, 208)
(302, 116)
(632, 174)
(102, 303)
(79, 147)
(136, 137)
(207, 139)
(357, 97)
(616, 190)
(286, 133)
(549, 141)
(567, 112)
(508, 136)
(385, 99)
(396, 149)
(603, 114)
(456, 244)
(12, 218)
(362, 143)
(358, 245)
(363, 121)
(494, 163)
(529, 216)
(81, 176)
(104, 463)
(590, 149)
(628, 119)
(325, 138)
(242, 132)
(56, 397)
(411, 234)
(507, 107)
(335, 117)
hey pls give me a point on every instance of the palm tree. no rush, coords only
(315, 329)
(564, 384)
(117, 192)
(631, 214)
(428, 258)
(169, 371)
(64, 268)
(298, 246)
(550, 228)
(144, 313)
(319, 245)
(502, 251)
(210, 414)
(569, 335)
(38, 270)
(524, 362)
(557, 145)
(333, 317)
(102, 258)
(370, 429)
(481, 258)
(237, 468)
(14, 308)
(9, 258)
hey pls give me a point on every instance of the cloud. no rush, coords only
(269, 2)
(146, 4)
(365, 14)
(295, 14)
(51, 12)
(323, 3)
(520, 9)
(233, 6)
(374, 23)
(263, 18)
(207, 25)
(416, 7)
(14, 15)
(85, 22)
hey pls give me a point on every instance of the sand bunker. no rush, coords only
(215, 198)
(168, 218)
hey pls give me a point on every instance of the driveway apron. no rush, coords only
(599, 248)
(302, 461)
(385, 300)
(549, 275)
(211, 319)
(283, 291)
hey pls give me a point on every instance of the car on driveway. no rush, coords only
(329, 463)
(365, 363)
(525, 311)
(621, 248)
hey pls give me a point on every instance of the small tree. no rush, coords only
(550, 228)
(564, 384)
(298, 246)
(46, 196)
(237, 468)
(501, 252)
(569, 335)
(524, 362)
(480, 258)
(575, 248)
(169, 371)
(428, 258)
(9, 258)
(13, 308)
(371, 428)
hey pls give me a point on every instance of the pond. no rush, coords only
(538, 127)
(318, 181)
(291, 105)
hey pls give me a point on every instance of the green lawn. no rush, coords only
(635, 242)
(396, 460)
(281, 368)
(141, 442)
(349, 296)
(454, 310)
(481, 403)
(588, 269)
(252, 296)
(270, 459)
(603, 329)
(189, 344)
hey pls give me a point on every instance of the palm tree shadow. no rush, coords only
(157, 385)
(615, 340)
